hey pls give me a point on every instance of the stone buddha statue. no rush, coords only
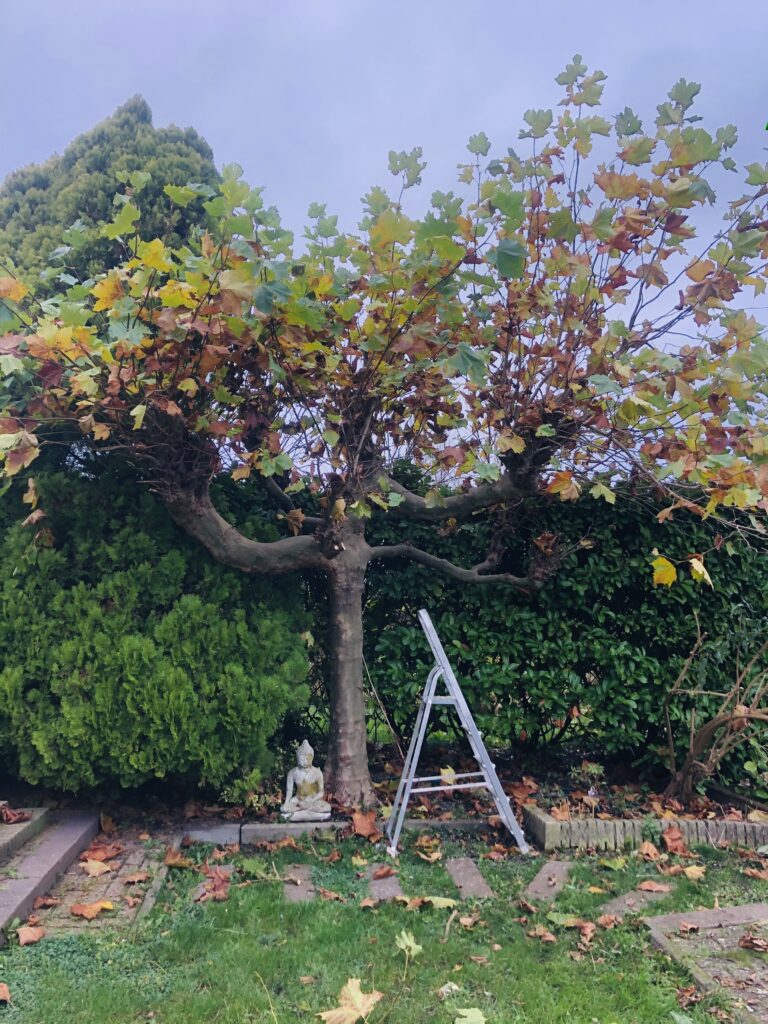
(304, 790)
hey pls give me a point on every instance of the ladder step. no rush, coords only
(442, 700)
(447, 789)
(439, 778)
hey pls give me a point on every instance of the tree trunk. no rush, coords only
(346, 768)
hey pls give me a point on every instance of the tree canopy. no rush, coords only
(555, 326)
(40, 204)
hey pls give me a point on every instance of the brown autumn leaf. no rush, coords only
(385, 871)
(758, 816)
(43, 902)
(11, 817)
(101, 851)
(529, 908)
(750, 941)
(687, 996)
(369, 903)
(307, 979)
(330, 895)
(353, 1004)
(687, 927)
(132, 901)
(540, 932)
(27, 935)
(561, 812)
(427, 842)
(136, 877)
(95, 868)
(364, 824)
(176, 859)
(650, 886)
(760, 873)
(648, 851)
(609, 921)
(479, 959)
(286, 843)
(587, 931)
(215, 887)
(5, 993)
(670, 869)
(90, 910)
(333, 857)
(674, 842)
(430, 858)
(469, 920)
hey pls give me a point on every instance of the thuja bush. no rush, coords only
(591, 658)
(127, 653)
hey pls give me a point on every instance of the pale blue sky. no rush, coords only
(310, 96)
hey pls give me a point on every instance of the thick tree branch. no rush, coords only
(473, 575)
(196, 515)
(458, 506)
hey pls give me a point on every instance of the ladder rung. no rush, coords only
(441, 700)
(439, 778)
(445, 789)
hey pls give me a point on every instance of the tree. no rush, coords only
(39, 204)
(513, 340)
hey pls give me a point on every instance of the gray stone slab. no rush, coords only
(157, 883)
(468, 880)
(632, 902)
(13, 837)
(298, 887)
(383, 888)
(56, 850)
(549, 881)
(259, 833)
(218, 835)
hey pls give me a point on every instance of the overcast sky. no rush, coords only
(310, 95)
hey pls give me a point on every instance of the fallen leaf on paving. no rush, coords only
(330, 895)
(358, 861)
(137, 876)
(11, 817)
(369, 903)
(90, 910)
(28, 936)
(176, 859)
(674, 842)
(648, 851)
(609, 920)
(5, 993)
(470, 1016)
(561, 813)
(596, 889)
(385, 871)
(650, 886)
(131, 901)
(686, 928)
(42, 902)
(101, 851)
(540, 932)
(353, 1004)
(95, 868)
(144, 836)
(750, 941)
(695, 872)
(761, 817)
(450, 988)
(759, 873)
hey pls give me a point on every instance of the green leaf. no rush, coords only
(539, 121)
(758, 174)
(138, 413)
(409, 164)
(511, 256)
(408, 944)
(139, 180)
(601, 491)
(747, 243)
(604, 385)
(470, 1016)
(545, 430)
(684, 93)
(572, 71)
(511, 204)
(331, 437)
(182, 195)
(124, 222)
(627, 122)
(479, 144)
(562, 225)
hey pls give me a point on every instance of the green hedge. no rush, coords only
(127, 654)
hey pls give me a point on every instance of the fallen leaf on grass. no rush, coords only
(307, 979)
(670, 869)
(385, 871)
(587, 931)
(90, 910)
(330, 895)
(358, 861)
(756, 942)
(95, 868)
(529, 908)
(470, 1016)
(648, 851)
(613, 864)
(176, 859)
(609, 921)
(540, 932)
(369, 903)
(695, 872)
(43, 902)
(28, 936)
(480, 960)
(136, 877)
(5, 993)
(760, 873)
(687, 997)
(353, 1004)
(430, 858)
(333, 857)
(286, 843)
(650, 886)
(469, 920)
(450, 988)
(674, 842)
(564, 920)
(364, 825)
(216, 886)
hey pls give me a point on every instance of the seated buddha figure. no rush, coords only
(304, 790)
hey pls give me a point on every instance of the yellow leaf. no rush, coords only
(107, 292)
(447, 776)
(353, 1004)
(177, 293)
(241, 473)
(391, 227)
(155, 255)
(695, 872)
(761, 817)
(699, 269)
(138, 414)
(12, 289)
(664, 572)
(100, 431)
(30, 496)
(95, 868)
(189, 386)
(562, 483)
(511, 443)
(699, 571)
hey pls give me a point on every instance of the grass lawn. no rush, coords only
(256, 958)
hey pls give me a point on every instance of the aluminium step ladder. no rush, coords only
(486, 778)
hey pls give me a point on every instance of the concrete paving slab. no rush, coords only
(468, 880)
(632, 902)
(218, 835)
(383, 888)
(550, 880)
(298, 887)
(13, 837)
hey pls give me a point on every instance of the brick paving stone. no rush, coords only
(383, 888)
(550, 880)
(301, 890)
(468, 880)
